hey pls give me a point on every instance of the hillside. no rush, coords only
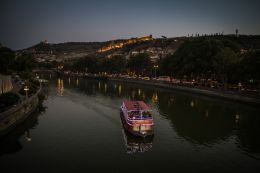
(73, 50)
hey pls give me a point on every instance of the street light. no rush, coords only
(28, 136)
(26, 89)
(155, 69)
(239, 86)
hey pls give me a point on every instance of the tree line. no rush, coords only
(197, 58)
(139, 64)
(222, 60)
(22, 64)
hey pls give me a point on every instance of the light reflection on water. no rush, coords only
(82, 118)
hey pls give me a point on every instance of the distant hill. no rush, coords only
(79, 49)
(66, 47)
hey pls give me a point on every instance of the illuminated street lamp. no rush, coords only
(155, 69)
(239, 86)
(28, 136)
(26, 89)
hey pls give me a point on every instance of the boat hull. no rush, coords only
(141, 130)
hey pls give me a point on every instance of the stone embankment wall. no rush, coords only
(208, 92)
(18, 113)
(5, 84)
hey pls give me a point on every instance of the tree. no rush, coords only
(251, 63)
(119, 64)
(204, 58)
(237, 32)
(140, 63)
(194, 58)
(116, 64)
(6, 59)
(86, 64)
(25, 63)
(225, 62)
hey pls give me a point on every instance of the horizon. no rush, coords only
(128, 39)
(28, 22)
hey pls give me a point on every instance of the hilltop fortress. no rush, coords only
(125, 42)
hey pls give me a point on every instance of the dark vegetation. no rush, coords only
(219, 59)
(228, 59)
(7, 100)
(22, 64)
(33, 86)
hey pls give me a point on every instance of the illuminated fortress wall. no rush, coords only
(121, 44)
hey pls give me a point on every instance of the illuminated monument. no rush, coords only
(125, 42)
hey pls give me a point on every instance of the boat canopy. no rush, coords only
(136, 106)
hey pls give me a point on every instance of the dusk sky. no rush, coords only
(27, 22)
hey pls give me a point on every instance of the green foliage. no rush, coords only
(116, 64)
(6, 59)
(25, 63)
(86, 64)
(251, 64)
(33, 86)
(48, 65)
(225, 62)
(202, 57)
(22, 64)
(34, 82)
(8, 99)
(140, 63)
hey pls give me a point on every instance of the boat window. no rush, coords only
(147, 114)
(135, 114)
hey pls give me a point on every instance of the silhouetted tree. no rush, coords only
(25, 63)
(6, 59)
(225, 62)
(251, 63)
(237, 32)
(140, 63)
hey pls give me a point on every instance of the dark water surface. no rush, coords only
(78, 129)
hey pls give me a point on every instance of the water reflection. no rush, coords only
(155, 98)
(60, 86)
(11, 143)
(119, 90)
(201, 121)
(83, 129)
(136, 144)
(248, 132)
(69, 80)
(77, 82)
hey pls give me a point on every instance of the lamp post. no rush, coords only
(239, 86)
(155, 70)
(26, 89)
(28, 136)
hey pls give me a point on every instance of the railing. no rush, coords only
(14, 109)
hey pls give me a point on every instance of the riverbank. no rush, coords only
(10, 118)
(208, 92)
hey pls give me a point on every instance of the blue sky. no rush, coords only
(27, 22)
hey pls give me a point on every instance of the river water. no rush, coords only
(78, 129)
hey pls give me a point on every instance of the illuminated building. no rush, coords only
(125, 42)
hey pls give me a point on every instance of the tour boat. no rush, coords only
(137, 118)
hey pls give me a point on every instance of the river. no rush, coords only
(78, 129)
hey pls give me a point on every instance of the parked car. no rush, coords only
(146, 78)
(164, 78)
